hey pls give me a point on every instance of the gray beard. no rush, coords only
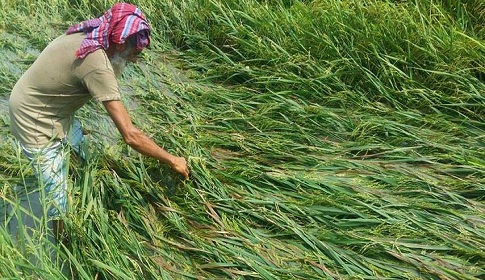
(118, 62)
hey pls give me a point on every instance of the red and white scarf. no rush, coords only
(117, 24)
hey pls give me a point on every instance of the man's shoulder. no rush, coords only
(93, 62)
(68, 41)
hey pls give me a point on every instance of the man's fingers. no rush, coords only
(186, 173)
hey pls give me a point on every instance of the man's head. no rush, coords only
(119, 23)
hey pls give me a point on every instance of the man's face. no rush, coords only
(120, 59)
(133, 55)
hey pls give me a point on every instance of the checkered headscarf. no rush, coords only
(117, 24)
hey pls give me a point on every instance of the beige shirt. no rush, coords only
(57, 84)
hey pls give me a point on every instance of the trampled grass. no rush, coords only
(326, 140)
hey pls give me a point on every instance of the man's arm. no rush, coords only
(140, 141)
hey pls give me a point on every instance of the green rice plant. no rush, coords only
(326, 140)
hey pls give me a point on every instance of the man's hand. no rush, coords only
(180, 165)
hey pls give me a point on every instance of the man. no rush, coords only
(78, 66)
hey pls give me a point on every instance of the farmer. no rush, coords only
(80, 65)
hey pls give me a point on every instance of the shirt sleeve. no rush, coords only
(96, 74)
(102, 85)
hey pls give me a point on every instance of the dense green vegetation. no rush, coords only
(326, 139)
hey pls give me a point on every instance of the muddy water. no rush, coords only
(15, 56)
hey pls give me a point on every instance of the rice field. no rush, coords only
(326, 140)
